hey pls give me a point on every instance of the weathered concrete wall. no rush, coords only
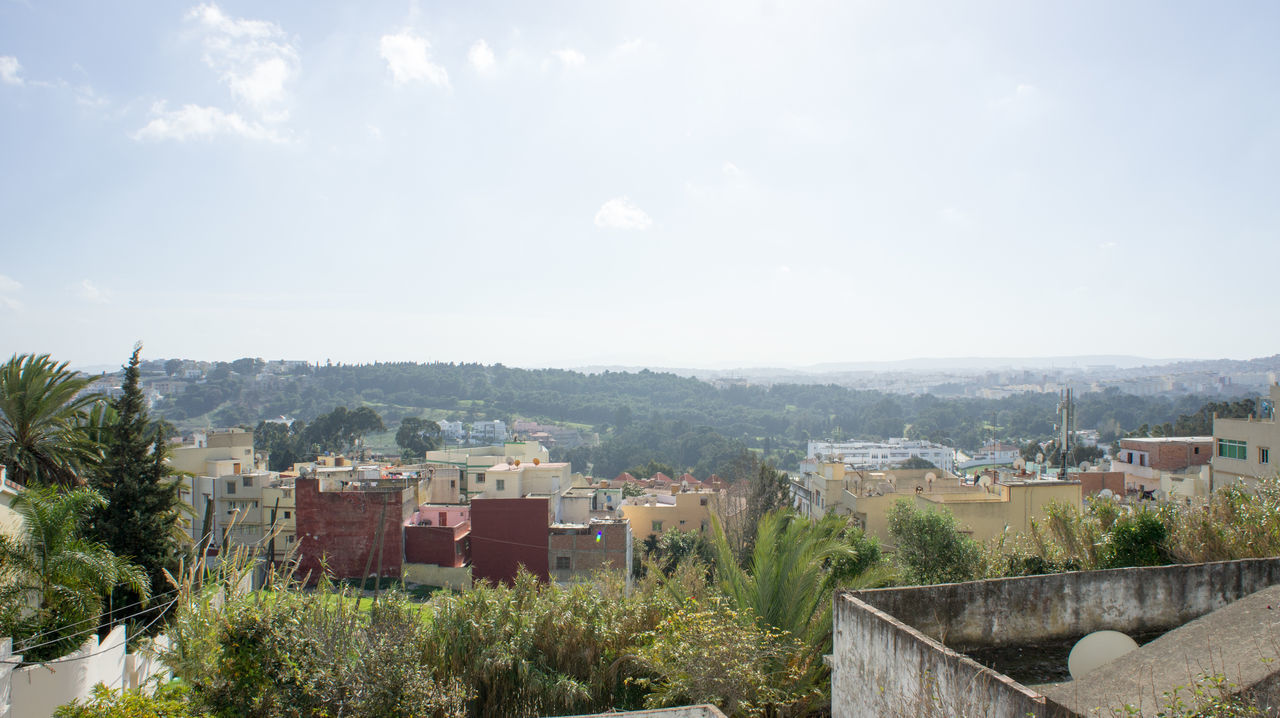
(457, 578)
(882, 667)
(8, 662)
(1036, 609)
(38, 690)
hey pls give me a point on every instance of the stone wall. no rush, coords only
(1038, 609)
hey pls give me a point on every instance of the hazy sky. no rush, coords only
(664, 183)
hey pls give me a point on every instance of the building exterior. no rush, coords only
(883, 454)
(1242, 447)
(473, 462)
(653, 514)
(577, 550)
(992, 454)
(346, 524)
(1177, 466)
(983, 510)
(507, 534)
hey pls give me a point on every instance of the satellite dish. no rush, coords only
(1096, 650)
(1084, 466)
(930, 476)
(1039, 458)
(985, 481)
(1106, 493)
(1019, 463)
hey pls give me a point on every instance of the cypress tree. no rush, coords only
(142, 498)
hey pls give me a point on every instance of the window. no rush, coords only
(479, 478)
(1264, 455)
(502, 484)
(1232, 449)
(563, 563)
(288, 493)
(286, 514)
(248, 481)
(288, 538)
(231, 487)
(702, 501)
(453, 483)
(682, 522)
(657, 526)
(1196, 450)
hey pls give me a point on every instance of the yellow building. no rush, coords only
(983, 512)
(653, 514)
(1242, 447)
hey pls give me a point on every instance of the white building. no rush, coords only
(883, 454)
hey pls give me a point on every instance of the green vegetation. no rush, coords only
(930, 547)
(139, 517)
(42, 421)
(682, 423)
(54, 580)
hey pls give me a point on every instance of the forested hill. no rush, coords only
(642, 414)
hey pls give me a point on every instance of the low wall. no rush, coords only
(1037, 609)
(456, 578)
(8, 662)
(882, 667)
(40, 688)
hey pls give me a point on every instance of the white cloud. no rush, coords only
(407, 58)
(8, 288)
(570, 57)
(201, 123)
(1108, 246)
(9, 69)
(731, 170)
(480, 56)
(91, 292)
(254, 58)
(622, 213)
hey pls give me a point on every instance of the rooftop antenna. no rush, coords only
(1066, 423)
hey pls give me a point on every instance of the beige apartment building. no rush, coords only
(655, 513)
(472, 463)
(1242, 447)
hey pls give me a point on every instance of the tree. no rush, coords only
(340, 429)
(788, 579)
(61, 573)
(172, 367)
(247, 366)
(916, 462)
(42, 409)
(929, 546)
(142, 509)
(418, 436)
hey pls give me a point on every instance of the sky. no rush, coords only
(694, 184)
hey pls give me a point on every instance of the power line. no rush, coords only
(98, 653)
(30, 647)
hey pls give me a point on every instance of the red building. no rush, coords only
(439, 535)
(339, 530)
(507, 534)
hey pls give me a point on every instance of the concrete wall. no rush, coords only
(37, 690)
(507, 534)
(8, 662)
(883, 667)
(456, 578)
(1037, 609)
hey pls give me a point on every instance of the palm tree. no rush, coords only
(53, 581)
(789, 577)
(42, 407)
